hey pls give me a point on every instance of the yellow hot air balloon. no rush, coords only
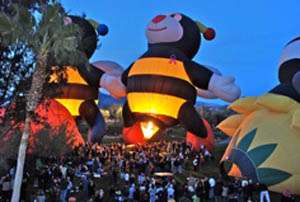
(75, 91)
(265, 138)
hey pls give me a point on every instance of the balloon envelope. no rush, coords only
(56, 117)
(196, 141)
(133, 135)
(75, 92)
(265, 141)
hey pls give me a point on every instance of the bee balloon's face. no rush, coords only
(164, 29)
(89, 39)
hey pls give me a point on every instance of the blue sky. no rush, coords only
(250, 33)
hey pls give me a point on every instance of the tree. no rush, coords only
(30, 4)
(16, 63)
(52, 43)
(16, 60)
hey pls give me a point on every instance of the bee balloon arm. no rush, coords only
(124, 76)
(199, 74)
(104, 74)
(224, 87)
(90, 74)
(109, 67)
(211, 83)
(205, 94)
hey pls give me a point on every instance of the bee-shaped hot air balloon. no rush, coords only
(265, 134)
(161, 84)
(81, 87)
(289, 70)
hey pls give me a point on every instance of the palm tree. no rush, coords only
(52, 43)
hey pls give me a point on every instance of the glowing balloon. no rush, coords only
(162, 84)
(133, 135)
(149, 129)
(197, 142)
(60, 122)
(79, 98)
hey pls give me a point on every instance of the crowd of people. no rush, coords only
(155, 172)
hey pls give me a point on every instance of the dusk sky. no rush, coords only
(250, 33)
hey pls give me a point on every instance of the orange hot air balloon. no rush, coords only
(196, 142)
(56, 116)
(133, 135)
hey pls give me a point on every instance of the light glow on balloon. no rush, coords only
(149, 129)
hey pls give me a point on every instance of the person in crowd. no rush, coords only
(6, 187)
(131, 192)
(72, 199)
(152, 193)
(99, 196)
(287, 196)
(225, 191)
(171, 192)
(41, 197)
(119, 196)
(195, 198)
(91, 188)
(264, 194)
(196, 163)
(212, 184)
(218, 191)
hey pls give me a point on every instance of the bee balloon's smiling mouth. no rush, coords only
(157, 30)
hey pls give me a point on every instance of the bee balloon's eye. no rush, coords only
(177, 16)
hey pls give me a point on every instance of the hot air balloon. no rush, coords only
(80, 88)
(265, 138)
(196, 142)
(60, 122)
(133, 135)
(161, 84)
(289, 70)
(265, 134)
